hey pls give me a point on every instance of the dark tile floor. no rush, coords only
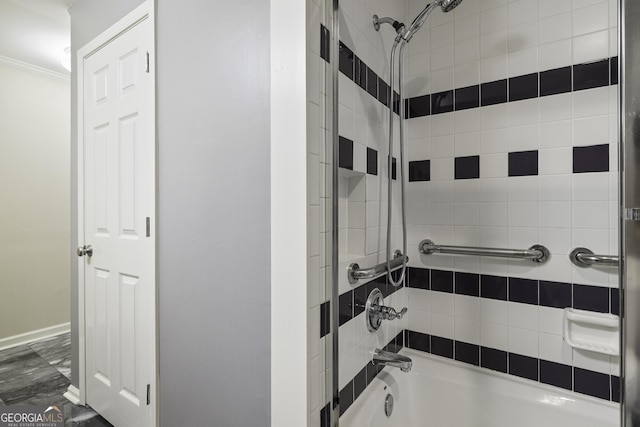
(38, 374)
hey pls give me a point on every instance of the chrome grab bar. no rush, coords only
(536, 253)
(355, 273)
(583, 257)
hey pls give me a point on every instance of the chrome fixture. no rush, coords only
(85, 250)
(355, 273)
(386, 358)
(404, 35)
(376, 311)
(445, 5)
(583, 257)
(536, 253)
(398, 26)
(388, 405)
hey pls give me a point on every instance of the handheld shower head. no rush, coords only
(449, 5)
(445, 5)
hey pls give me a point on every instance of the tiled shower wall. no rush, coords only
(508, 145)
(512, 141)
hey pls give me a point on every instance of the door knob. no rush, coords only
(85, 250)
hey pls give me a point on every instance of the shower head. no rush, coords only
(449, 5)
(445, 5)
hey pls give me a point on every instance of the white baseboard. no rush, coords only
(73, 395)
(31, 336)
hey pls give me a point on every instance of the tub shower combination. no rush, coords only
(415, 388)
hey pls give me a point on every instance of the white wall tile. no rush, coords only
(494, 165)
(554, 54)
(523, 341)
(554, 28)
(591, 19)
(591, 47)
(494, 336)
(494, 311)
(442, 325)
(554, 349)
(555, 161)
(467, 330)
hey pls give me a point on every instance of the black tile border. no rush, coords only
(570, 378)
(570, 78)
(592, 158)
(543, 293)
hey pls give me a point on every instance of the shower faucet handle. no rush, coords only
(390, 313)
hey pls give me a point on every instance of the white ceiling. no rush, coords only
(35, 31)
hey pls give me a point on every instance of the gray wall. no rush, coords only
(213, 80)
(89, 18)
(213, 111)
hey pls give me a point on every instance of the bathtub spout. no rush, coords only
(386, 358)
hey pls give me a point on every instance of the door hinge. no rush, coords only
(148, 227)
(148, 394)
(147, 62)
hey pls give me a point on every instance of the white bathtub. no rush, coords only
(443, 393)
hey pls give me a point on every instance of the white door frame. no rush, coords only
(142, 12)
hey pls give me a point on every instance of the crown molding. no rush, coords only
(25, 66)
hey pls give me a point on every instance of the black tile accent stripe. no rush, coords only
(515, 289)
(493, 359)
(442, 281)
(615, 301)
(523, 163)
(325, 415)
(418, 341)
(553, 82)
(556, 374)
(493, 92)
(615, 388)
(346, 397)
(570, 378)
(419, 278)
(523, 87)
(467, 97)
(346, 61)
(442, 102)
(467, 353)
(372, 83)
(442, 347)
(419, 106)
(591, 75)
(594, 158)
(467, 284)
(613, 66)
(345, 153)
(345, 308)
(360, 72)
(325, 318)
(523, 366)
(372, 161)
(544, 83)
(555, 294)
(420, 170)
(467, 167)
(592, 383)
(325, 43)
(394, 163)
(592, 298)
(493, 287)
(523, 290)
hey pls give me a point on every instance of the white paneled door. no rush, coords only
(118, 184)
